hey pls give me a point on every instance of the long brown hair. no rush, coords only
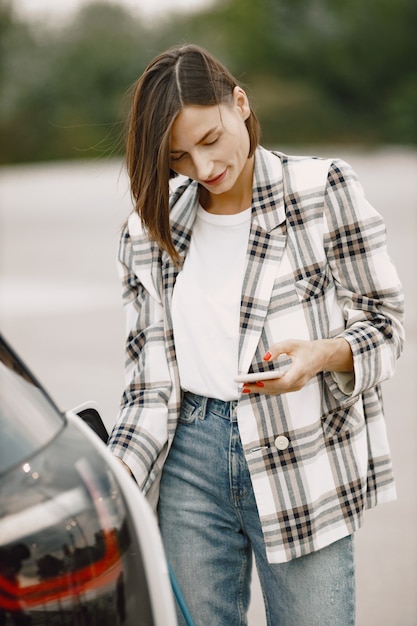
(185, 75)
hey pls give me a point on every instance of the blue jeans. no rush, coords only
(210, 528)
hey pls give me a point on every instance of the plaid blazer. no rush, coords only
(317, 267)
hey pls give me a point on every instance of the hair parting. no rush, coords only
(177, 78)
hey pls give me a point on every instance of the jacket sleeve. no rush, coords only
(367, 284)
(141, 429)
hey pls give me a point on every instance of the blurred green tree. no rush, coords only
(64, 91)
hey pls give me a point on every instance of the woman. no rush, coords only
(255, 262)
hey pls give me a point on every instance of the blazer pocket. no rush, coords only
(343, 419)
(311, 285)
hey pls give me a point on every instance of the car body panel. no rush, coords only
(79, 544)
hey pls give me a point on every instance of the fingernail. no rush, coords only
(267, 356)
(259, 383)
(245, 390)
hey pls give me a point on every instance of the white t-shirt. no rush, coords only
(206, 304)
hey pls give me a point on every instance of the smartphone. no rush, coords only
(253, 378)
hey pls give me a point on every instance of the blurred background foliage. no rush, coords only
(317, 71)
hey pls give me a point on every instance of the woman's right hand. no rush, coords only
(127, 468)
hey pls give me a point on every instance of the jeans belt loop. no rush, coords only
(203, 408)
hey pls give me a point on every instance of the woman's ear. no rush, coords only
(241, 102)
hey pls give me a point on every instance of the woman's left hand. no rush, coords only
(308, 358)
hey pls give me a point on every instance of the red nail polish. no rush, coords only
(259, 383)
(267, 356)
(245, 390)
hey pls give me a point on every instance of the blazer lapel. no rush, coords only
(265, 248)
(183, 210)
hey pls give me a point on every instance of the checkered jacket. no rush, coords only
(317, 267)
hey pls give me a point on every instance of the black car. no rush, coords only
(79, 544)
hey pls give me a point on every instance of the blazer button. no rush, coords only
(282, 442)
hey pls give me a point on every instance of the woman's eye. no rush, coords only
(175, 159)
(211, 143)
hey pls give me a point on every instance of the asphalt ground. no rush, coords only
(60, 308)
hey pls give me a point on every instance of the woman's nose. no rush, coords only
(203, 167)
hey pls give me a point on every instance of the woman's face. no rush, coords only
(210, 144)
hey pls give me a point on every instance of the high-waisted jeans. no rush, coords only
(210, 528)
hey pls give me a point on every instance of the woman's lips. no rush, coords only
(217, 180)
